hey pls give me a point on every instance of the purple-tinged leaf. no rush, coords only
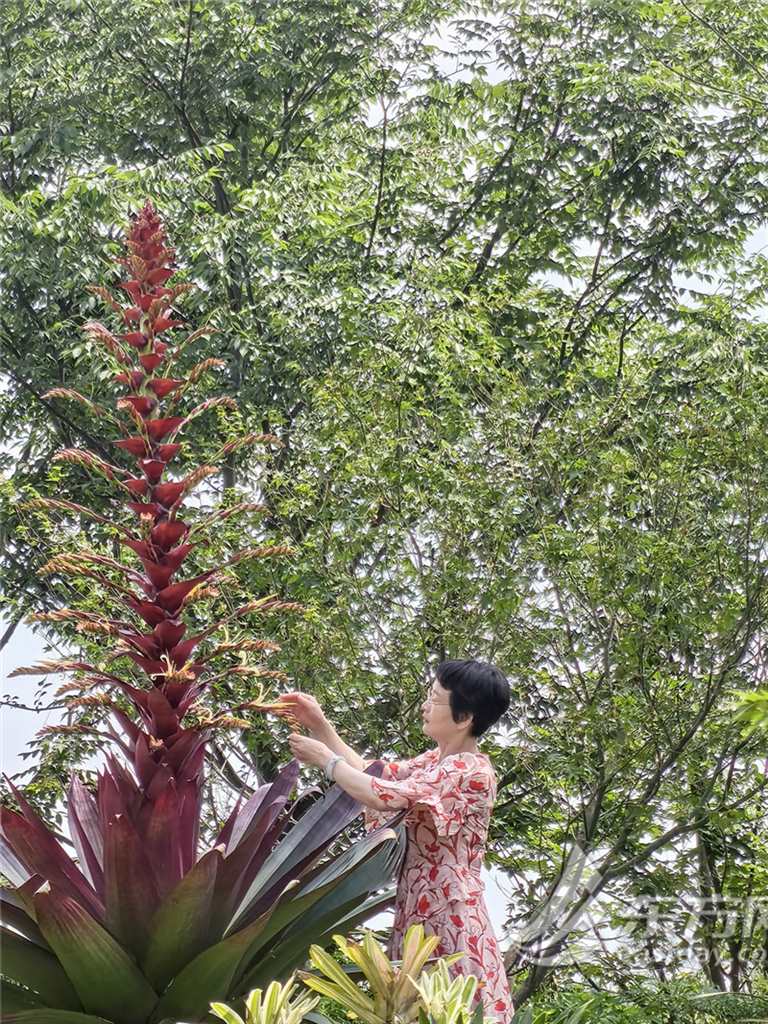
(140, 547)
(150, 361)
(168, 534)
(177, 694)
(147, 610)
(180, 928)
(340, 887)
(167, 494)
(130, 891)
(141, 403)
(165, 719)
(135, 445)
(142, 642)
(27, 891)
(179, 654)
(188, 743)
(166, 452)
(158, 429)
(163, 778)
(104, 976)
(251, 807)
(160, 826)
(136, 696)
(163, 386)
(151, 666)
(274, 800)
(153, 469)
(245, 862)
(190, 823)
(177, 555)
(301, 847)
(159, 575)
(85, 830)
(193, 691)
(225, 834)
(41, 854)
(127, 724)
(145, 508)
(144, 764)
(137, 486)
(253, 843)
(109, 799)
(131, 795)
(192, 763)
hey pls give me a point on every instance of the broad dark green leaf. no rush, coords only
(208, 977)
(104, 976)
(27, 964)
(45, 1016)
(180, 928)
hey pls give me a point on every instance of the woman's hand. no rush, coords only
(306, 710)
(308, 750)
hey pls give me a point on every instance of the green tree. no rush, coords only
(510, 430)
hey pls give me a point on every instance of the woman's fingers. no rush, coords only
(304, 707)
(298, 701)
(297, 695)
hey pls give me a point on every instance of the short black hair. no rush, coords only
(476, 687)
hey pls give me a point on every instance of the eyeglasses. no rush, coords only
(428, 700)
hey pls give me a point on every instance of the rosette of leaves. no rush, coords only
(279, 1004)
(144, 926)
(395, 997)
(447, 1000)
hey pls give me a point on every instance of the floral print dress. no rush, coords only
(449, 808)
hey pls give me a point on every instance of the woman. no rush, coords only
(449, 792)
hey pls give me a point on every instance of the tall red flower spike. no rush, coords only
(142, 927)
(159, 809)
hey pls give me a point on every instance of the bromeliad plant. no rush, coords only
(143, 927)
(399, 995)
(441, 999)
(447, 1000)
(278, 1006)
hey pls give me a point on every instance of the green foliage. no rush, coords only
(279, 1005)
(398, 995)
(681, 1000)
(516, 424)
(447, 1000)
(752, 711)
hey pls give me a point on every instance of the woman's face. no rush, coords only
(437, 719)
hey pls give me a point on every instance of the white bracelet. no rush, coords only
(331, 765)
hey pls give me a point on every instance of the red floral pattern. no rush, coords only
(449, 807)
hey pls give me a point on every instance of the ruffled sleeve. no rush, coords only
(449, 791)
(394, 771)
